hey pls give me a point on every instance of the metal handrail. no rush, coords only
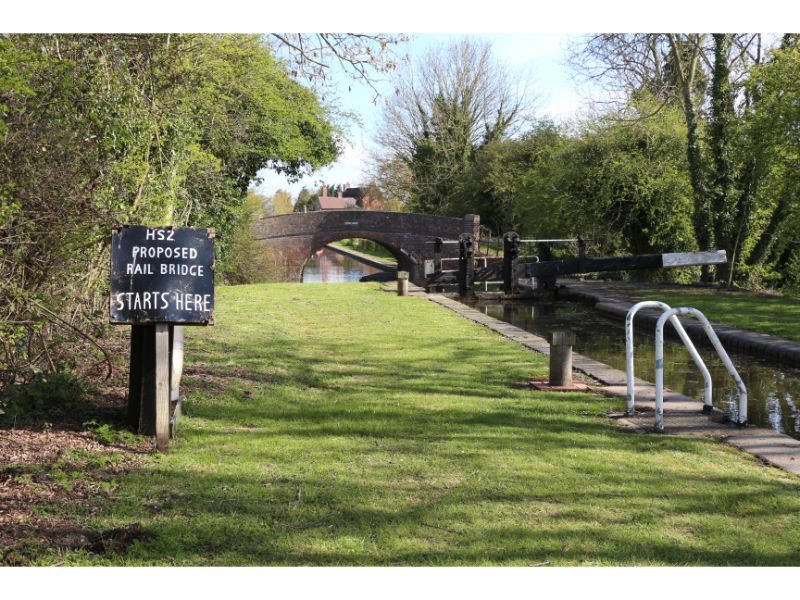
(629, 375)
(685, 310)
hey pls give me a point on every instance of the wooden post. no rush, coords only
(402, 283)
(561, 358)
(162, 386)
(510, 254)
(147, 411)
(135, 377)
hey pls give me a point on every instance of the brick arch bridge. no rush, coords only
(289, 240)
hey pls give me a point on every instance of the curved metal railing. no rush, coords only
(629, 371)
(741, 418)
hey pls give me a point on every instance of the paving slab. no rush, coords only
(774, 448)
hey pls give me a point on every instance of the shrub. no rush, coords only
(45, 397)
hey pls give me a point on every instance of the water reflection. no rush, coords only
(773, 392)
(327, 266)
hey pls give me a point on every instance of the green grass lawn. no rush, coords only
(775, 315)
(368, 247)
(341, 425)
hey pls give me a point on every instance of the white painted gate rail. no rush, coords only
(707, 406)
(685, 310)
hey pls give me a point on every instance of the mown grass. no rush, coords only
(340, 425)
(368, 247)
(775, 315)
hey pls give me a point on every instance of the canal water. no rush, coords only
(327, 266)
(773, 391)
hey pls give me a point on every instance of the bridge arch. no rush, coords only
(288, 240)
(394, 251)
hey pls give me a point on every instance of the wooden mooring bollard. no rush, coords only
(402, 283)
(561, 342)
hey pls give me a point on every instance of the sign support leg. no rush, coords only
(135, 377)
(162, 359)
(175, 377)
(147, 410)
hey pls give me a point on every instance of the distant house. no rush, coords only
(351, 198)
(360, 195)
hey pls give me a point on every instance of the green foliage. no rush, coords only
(305, 201)
(246, 262)
(108, 435)
(282, 202)
(454, 101)
(625, 185)
(47, 396)
(620, 180)
(510, 181)
(773, 131)
(369, 247)
(97, 130)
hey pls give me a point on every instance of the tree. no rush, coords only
(282, 202)
(248, 262)
(393, 177)
(675, 69)
(773, 128)
(103, 129)
(457, 99)
(305, 200)
(625, 185)
(360, 55)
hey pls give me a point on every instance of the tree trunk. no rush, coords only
(767, 237)
(687, 69)
(722, 192)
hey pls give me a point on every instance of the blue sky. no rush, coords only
(538, 56)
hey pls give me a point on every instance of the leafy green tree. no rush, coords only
(305, 200)
(623, 185)
(451, 103)
(675, 69)
(494, 186)
(248, 262)
(774, 250)
(282, 202)
(154, 129)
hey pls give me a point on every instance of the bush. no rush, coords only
(48, 396)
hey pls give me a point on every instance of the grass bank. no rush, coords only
(775, 315)
(771, 314)
(339, 425)
(368, 247)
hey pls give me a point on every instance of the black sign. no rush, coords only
(162, 275)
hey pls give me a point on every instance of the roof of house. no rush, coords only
(354, 192)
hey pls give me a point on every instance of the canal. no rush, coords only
(328, 266)
(773, 392)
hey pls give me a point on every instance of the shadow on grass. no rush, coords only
(323, 448)
(264, 522)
